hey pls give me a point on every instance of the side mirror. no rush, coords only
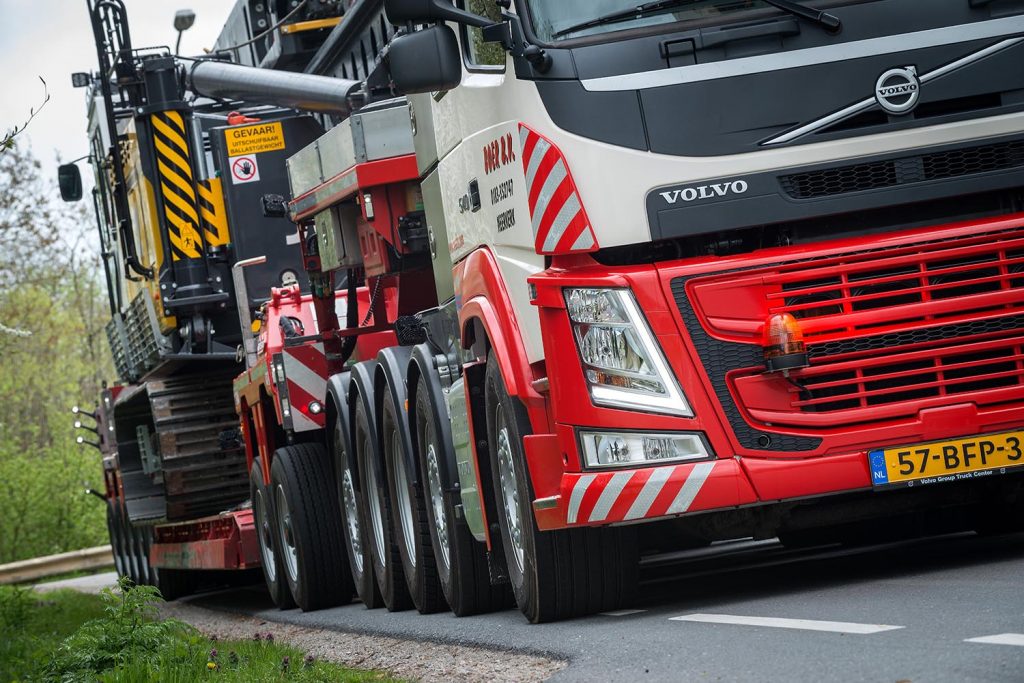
(401, 12)
(70, 180)
(426, 61)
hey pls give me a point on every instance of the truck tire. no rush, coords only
(308, 529)
(142, 554)
(461, 561)
(387, 565)
(554, 574)
(410, 519)
(352, 503)
(116, 544)
(270, 559)
(131, 552)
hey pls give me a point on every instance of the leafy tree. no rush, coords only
(52, 355)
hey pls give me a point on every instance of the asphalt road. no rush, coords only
(941, 609)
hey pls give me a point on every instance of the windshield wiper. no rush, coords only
(624, 15)
(827, 21)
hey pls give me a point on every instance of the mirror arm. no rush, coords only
(498, 33)
(462, 16)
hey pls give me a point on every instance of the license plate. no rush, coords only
(943, 461)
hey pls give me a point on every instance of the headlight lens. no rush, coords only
(621, 449)
(623, 364)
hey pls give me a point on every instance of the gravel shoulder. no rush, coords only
(405, 659)
(402, 658)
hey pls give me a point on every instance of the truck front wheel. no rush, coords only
(308, 528)
(263, 518)
(554, 574)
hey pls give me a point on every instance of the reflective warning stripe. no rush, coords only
(180, 207)
(214, 215)
(305, 370)
(636, 494)
(578, 491)
(560, 223)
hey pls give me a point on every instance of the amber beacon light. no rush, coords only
(784, 348)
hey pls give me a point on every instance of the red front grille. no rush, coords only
(986, 370)
(949, 282)
(890, 331)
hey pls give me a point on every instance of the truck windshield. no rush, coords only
(551, 18)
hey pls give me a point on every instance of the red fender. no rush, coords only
(481, 290)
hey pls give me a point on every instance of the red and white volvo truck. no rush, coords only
(635, 274)
(590, 279)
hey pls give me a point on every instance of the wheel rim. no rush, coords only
(404, 502)
(376, 513)
(437, 503)
(285, 533)
(355, 535)
(266, 536)
(510, 491)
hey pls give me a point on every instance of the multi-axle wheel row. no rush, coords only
(130, 545)
(369, 514)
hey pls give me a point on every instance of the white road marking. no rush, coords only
(801, 624)
(623, 612)
(1001, 639)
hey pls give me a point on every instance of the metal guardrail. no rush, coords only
(100, 557)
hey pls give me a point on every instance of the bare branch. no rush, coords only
(7, 142)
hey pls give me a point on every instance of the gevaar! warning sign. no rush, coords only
(262, 137)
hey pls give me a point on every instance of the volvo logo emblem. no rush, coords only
(898, 90)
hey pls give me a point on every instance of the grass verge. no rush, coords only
(117, 637)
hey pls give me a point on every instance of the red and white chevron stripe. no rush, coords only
(608, 497)
(305, 370)
(560, 223)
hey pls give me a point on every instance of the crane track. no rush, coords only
(203, 472)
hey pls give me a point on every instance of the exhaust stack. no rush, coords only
(223, 80)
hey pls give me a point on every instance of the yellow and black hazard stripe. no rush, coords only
(173, 161)
(213, 213)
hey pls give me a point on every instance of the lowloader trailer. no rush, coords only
(182, 150)
(636, 278)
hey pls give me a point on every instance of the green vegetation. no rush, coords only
(491, 54)
(52, 355)
(117, 637)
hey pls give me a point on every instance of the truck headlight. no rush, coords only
(623, 364)
(620, 449)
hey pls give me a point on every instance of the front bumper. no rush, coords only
(704, 314)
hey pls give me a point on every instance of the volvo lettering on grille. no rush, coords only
(712, 191)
